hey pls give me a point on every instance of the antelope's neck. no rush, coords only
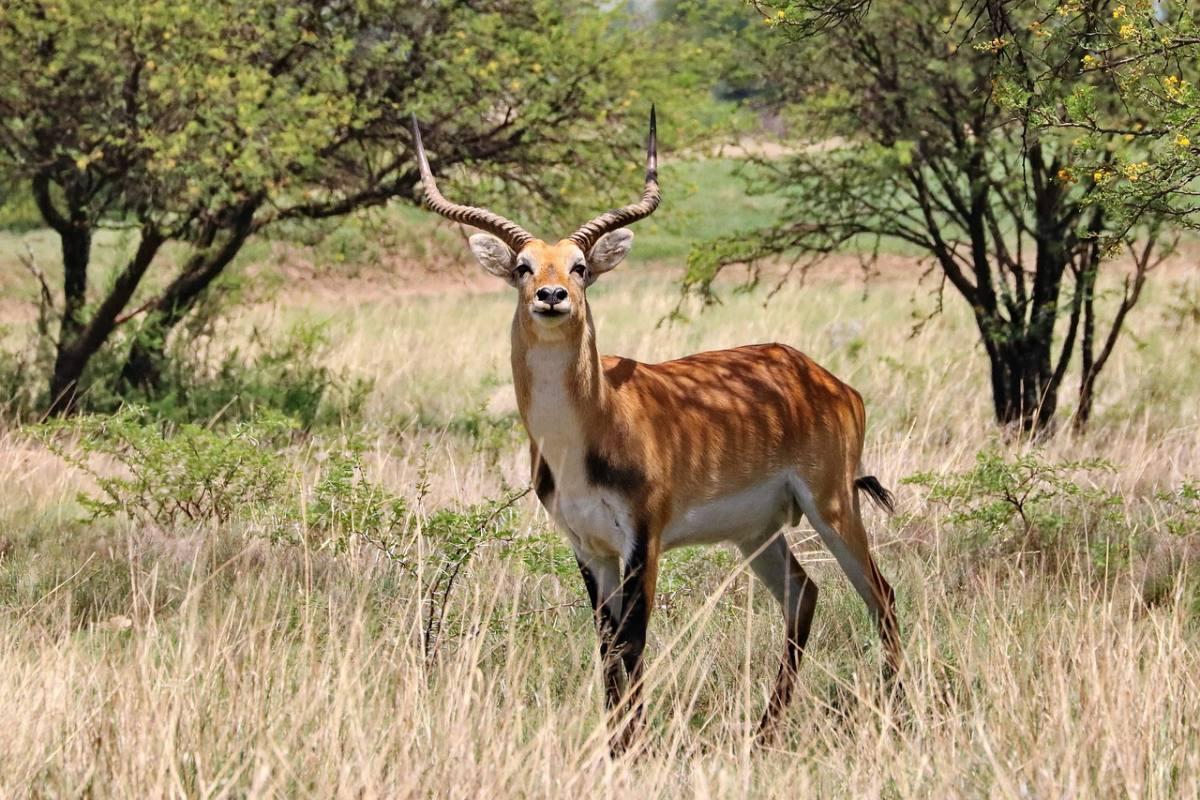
(561, 393)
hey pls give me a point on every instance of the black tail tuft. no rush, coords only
(879, 495)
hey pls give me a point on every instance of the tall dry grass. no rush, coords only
(207, 662)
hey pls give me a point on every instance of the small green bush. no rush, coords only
(1181, 507)
(439, 547)
(170, 474)
(346, 504)
(1024, 502)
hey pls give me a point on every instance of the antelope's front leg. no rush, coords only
(602, 577)
(638, 586)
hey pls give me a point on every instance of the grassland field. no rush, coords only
(215, 658)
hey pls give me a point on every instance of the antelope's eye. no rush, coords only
(523, 269)
(579, 269)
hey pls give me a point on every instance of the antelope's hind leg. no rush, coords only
(837, 518)
(775, 565)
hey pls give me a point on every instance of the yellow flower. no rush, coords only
(1174, 87)
(537, 68)
(1119, 11)
(1090, 61)
(1134, 170)
(1099, 175)
(1129, 137)
(1182, 141)
(1127, 30)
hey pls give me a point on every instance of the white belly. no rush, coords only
(758, 509)
(602, 523)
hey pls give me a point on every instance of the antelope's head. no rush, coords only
(551, 279)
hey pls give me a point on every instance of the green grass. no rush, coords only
(702, 199)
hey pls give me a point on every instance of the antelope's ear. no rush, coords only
(609, 251)
(494, 256)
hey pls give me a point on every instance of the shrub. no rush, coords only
(174, 473)
(345, 504)
(1181, 509)
(439, 549)
(1024, 503)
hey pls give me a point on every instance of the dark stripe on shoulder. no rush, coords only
(602, 472)
(543, 481)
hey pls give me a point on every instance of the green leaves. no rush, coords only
(1081, 104)
(169, 477)
(209, 122)
(1025, 497)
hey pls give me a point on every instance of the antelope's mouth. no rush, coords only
(551, 315)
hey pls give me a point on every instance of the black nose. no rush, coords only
(550, 295)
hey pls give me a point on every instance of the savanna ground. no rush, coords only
(351, 607)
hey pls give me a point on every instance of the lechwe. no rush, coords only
(632, 459)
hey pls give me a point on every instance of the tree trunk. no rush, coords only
(68, 361)
(1024, 400)
(64, 380)
(75, 237)
(142, 370)
(79, 341)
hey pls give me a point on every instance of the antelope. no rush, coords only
(632, 459)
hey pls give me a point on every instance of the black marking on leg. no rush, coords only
(606, 631)
(635, 608)
(604, 473)
(798, 615)
(631, 636)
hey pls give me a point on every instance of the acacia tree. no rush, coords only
(1148, 52)
(924, 124)
(204, 123)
